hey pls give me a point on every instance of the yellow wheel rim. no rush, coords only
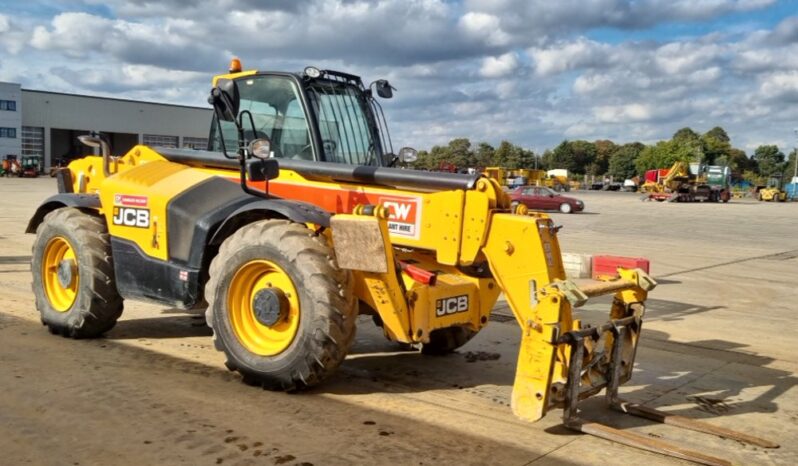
(256, 337)
(60, 291)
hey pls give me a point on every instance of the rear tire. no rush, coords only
(566, 208)
(445, 340)
(89, 305)
(311, 339)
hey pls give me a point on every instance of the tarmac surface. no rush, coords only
(718, 344)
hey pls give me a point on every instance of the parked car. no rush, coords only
(543, 198)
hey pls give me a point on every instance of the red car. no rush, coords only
(543, 198)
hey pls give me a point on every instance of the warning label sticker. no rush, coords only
(129, 200)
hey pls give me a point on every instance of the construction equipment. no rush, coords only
(295, 222)
(554, 179)
(11, 166)
(29, 167)
(688, 183)
(771, 192)
(557, 179)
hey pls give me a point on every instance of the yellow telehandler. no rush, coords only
(296, 220)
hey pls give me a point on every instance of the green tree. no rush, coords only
(715, 145)
(459, 153)
(503, 156)
(664, 154)
(527, 159)
(718, 133)
(688, 141)
(789, 170)
(770, 160)
(575, 156)
(483, 155)
(622, 161)
(604, 151)
(686, 135)
(423, 162)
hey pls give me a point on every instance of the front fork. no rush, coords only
(561, 362)
(555, 350)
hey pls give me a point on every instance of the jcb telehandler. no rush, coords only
(294, 221)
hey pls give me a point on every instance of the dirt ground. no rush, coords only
(718, 344)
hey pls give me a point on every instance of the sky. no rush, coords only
(534, 72)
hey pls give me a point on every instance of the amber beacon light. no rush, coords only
(235, 65)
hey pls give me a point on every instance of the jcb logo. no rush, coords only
(453, 305)
(130, 217)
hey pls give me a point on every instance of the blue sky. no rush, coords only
(741, 22)
(534, 72)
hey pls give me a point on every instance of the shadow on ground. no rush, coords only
(700, 379)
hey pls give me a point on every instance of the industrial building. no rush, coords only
(46, 125)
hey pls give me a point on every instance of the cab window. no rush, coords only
(277, 114)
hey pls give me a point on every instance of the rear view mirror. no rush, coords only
(263, 169)
(225, 99)
(384, 88)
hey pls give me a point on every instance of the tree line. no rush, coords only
(620, 161)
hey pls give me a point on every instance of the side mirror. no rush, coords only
(384, 88)
(262, 170)
(225, 100)
(408, 155)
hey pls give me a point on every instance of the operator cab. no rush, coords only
(316, 115)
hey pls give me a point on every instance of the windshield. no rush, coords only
(345, 123)
(277, 114)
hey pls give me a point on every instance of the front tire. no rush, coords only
(73, 275)
(565, 208)
(304, 334)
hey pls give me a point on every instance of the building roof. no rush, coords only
(115, 99)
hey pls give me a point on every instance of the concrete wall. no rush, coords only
(11, 119)
(68, 111)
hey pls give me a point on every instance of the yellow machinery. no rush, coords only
(772, 192)
(696, 183)
(498, 174)
(528, 176)
(295, 221)
(667, 182)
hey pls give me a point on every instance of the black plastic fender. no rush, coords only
(205, 214)
(296, 211)
(82, 201)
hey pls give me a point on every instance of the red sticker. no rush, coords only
(130, 200)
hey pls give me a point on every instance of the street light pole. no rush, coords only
(795, 153)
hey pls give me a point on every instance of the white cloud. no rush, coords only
(533, 71)
(564, 56)
(12, 37)
(685, 57)
(483, 27)
(782, 86)
(497, 67)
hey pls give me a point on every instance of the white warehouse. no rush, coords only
(46, 124)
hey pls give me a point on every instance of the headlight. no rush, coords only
(312, 72)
